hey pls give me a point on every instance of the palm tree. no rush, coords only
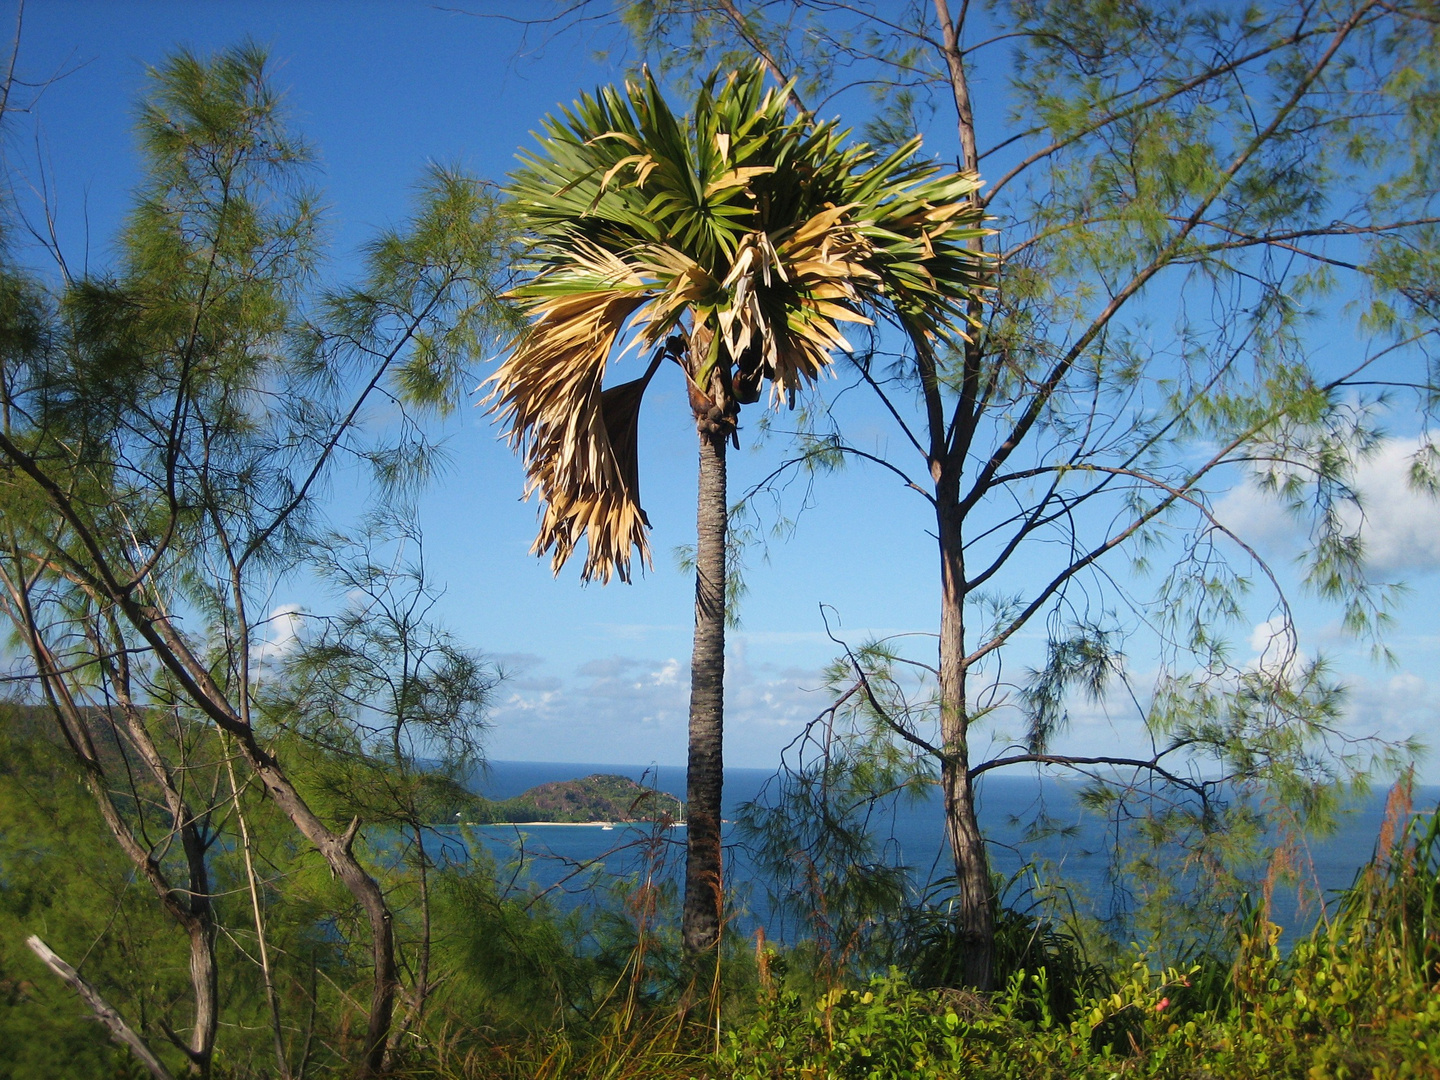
(733, 242)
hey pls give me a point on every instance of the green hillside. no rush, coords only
(601, 797)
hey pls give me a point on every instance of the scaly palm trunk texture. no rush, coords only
(705, 774)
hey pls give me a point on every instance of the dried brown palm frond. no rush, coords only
(747, 235)
(549, 392)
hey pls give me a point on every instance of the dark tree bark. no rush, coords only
(196, 681)
(335, 848)
(1018, 372)
(705, 772)
(414, 1007)
(974, 910)
(196, 837)
(191, 907)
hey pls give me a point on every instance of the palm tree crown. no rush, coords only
(735, 241)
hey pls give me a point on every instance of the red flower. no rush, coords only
(1163, 1004)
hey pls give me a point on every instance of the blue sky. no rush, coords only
(596, 674)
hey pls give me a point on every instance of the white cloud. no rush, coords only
(626, 709)
(1262, 638)
(617, 709)
(635, 709)
(282, 634)
(1259, 519)
(1396, 707)
(1275, 648)
(667, 675)
(1399, 526)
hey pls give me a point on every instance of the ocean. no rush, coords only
(562, 858)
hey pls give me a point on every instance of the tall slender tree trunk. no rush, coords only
(198, 902)
(197, 682)
(204, 973)
(975, 909)
(200, 687)
(192, 906)
(335, 849)
(420, 989)
(703, 896)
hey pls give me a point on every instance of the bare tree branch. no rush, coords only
(104, 1012)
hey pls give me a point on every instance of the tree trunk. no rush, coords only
(191, 907)
(974, 910)
(197, 682)
(335, 848)
(959, 84)
(197, 902)
(703, 896)
(204, 974)
(420, 988)
(262, 945)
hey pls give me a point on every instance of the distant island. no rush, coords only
(603, 797)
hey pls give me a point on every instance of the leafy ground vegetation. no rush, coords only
(1356, 998)
(522, 989)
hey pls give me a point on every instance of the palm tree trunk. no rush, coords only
(975, 910)
(700, 928)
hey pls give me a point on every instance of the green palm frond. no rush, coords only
(747, 231)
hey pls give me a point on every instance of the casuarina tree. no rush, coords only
(1190, 199)
(166, 430)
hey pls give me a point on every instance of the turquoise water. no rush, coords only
(559, 857)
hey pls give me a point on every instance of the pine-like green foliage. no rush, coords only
(523, 993)
(168, 428)
(1215, 262)
(1355, 998)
